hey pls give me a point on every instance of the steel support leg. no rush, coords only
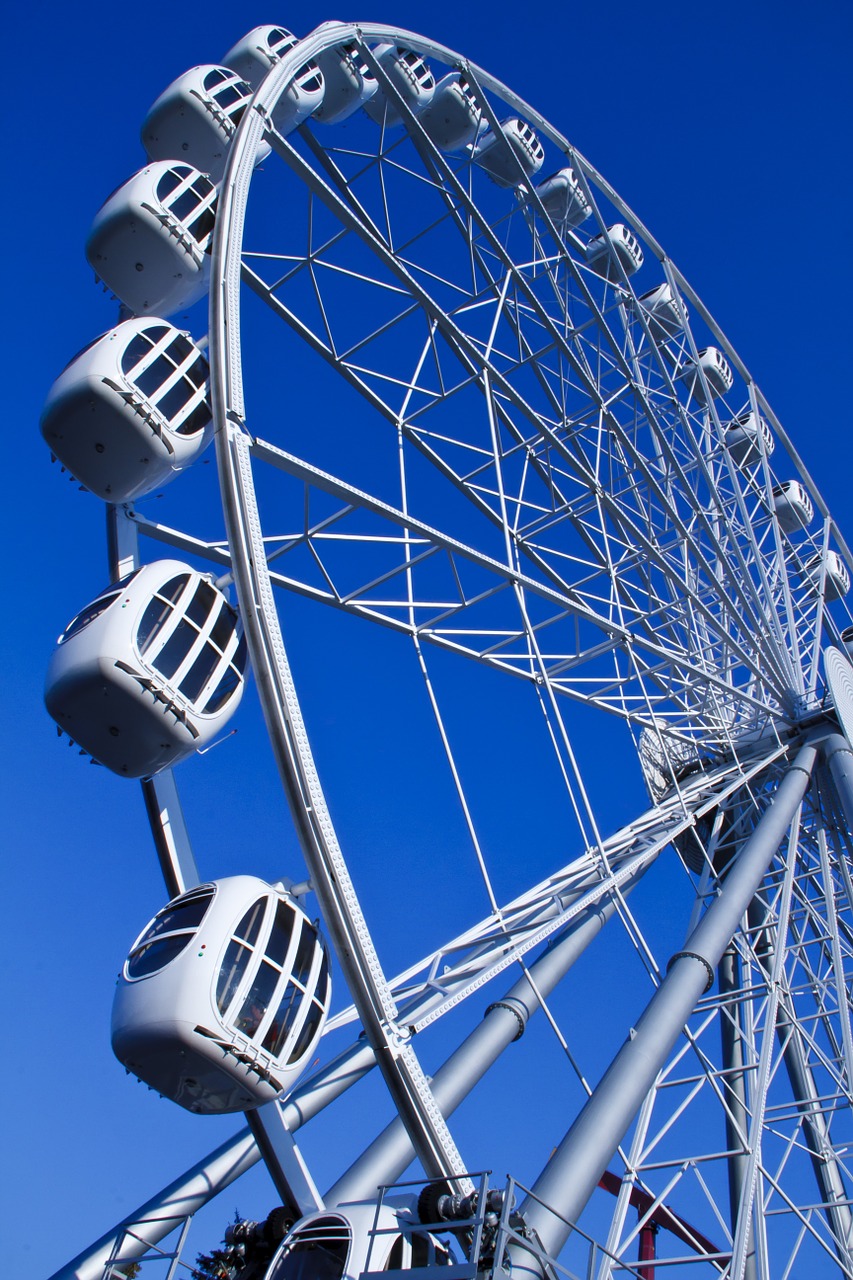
(387, 1157)
(162, 804)
(161, 1214)
(830, 1183)
(832, 1190)
(572, 1174)
(838, 754)
(171, 837)
(284, 1160)
(734, 1092)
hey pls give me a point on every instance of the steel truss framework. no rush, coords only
(548, 499)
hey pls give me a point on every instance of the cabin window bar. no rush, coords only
(238, 953)
(172, 375)
(192, 200)
(198, 649)
(280, 1003)
(318, 1250)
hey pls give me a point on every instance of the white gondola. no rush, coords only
(131, 410)
(223, 996)
(663, 311)
(357, 1239)
(717, 371)
(260, 50)
(409, 75)
(829, 568)
(744, 438)
(617, 245)
(349, 83)
(150, 241)
(196, 118)
(453, 119)
(792, 506)
(563, 199)
(500, 155)
(149, 672)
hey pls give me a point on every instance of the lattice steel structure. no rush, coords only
(550, 466)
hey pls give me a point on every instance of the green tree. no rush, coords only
(219, 1264)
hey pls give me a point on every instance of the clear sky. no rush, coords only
(726, 128)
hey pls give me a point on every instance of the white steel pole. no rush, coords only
(385, 1160)
(573, 1172)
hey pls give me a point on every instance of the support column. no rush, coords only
(155, 1219)
(830, 1183)
(838, 754)
(734, 1092)
(387, 1157)
(825, 1163)
(169, 829)
(162, 803)
(572, 1174)
(284, 1160)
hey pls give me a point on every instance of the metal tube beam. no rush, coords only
(830, 1183)
(160, 1215)
(163, 1213)
(285, 1162)
(344, 920)
(171, 837)
(838, 754)
(387, 1157)
(734, 1092)
(572, 1174)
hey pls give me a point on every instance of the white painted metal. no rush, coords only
(196, 117)
(613, 539)
(130, 411)
(223, 997)
(793, 506)
(839, 682)
(150, 240)
(135, 682)
(410, 76)
(510, 154)
(616, 248)
(564, 199)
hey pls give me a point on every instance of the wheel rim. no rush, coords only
(759, 693)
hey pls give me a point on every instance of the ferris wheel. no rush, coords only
(538, 495)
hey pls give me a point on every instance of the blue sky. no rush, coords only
(726, 130)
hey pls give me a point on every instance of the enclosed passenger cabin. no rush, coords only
(409, 75)
(718, 375)
(745, 436)
(255, 55)
(453, 119)
(348, 81)
(356, 1239)
(500, 155)
(131, 410)
(614, 247)
(196, 118)
(223, 996)
(663, 311)
(563, 199)
(827, 568)
(150, 241)
(149, 672)
(792, 506)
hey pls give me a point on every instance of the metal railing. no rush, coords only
(127, 1243)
